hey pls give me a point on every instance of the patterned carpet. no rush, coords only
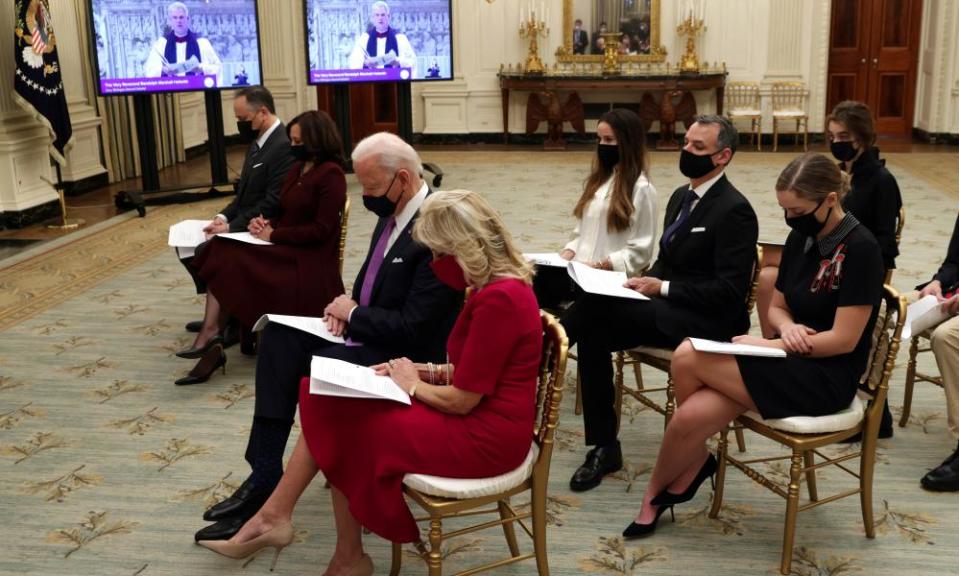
(106, 467)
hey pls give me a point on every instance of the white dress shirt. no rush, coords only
(404, 217)
(700, 191)
(629, 250)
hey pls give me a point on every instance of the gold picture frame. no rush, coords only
(657, 52)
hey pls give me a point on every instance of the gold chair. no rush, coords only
(919, 343)
(789, 105)
(900, 223)
(344, 223)
(804, 436)
(743, 103)
(661, 359)
(445, 498)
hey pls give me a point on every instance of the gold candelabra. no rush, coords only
(611, 63)
(691, 27)
(532, 29)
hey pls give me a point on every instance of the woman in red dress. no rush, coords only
(471, 418)
(299, 274)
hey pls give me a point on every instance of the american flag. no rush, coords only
(38, 39)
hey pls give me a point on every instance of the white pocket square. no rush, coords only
(397, 260)
(698, 229)
(258, 165)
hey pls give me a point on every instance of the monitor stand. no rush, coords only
(147, 148)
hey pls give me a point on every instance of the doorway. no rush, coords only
(873, 57)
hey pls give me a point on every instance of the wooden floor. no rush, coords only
(98, 205)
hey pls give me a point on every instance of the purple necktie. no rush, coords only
(683, 215)
(376, 261)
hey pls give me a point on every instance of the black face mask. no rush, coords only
(382, 206)
(695, 166)
(608, 156)
(843, 151)
(247, 133)
(807, 224)
(300, 153)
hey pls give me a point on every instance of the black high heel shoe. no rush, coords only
(208, 364)
(635, 530)
(193, 352)
(708, 470)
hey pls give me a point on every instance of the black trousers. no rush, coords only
(599, 326)
(553, 287)
(284, 357)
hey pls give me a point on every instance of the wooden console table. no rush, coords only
(663, 97)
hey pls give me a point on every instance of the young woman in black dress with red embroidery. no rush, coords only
(823, 309)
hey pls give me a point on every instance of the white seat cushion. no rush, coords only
(788, 113)
(745, 112)
(842, 420)
(462, 488)
(661, 353)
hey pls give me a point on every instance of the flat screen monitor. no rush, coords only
(144, 46)
(378, 41)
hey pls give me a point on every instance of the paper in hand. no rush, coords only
(245, 237)
(703, 345)
(546, 259)
(602, 282)
(924, 314)
(310, 325)
(330, 377)
(188, 233)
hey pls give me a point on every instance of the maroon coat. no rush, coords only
(300, 273)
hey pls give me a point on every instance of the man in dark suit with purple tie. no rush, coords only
(697, 287)
(397, 308)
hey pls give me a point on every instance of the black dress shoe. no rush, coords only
(247, 499)
(885, 427)
(706, 471)
(194, 352)
(222, 530)
(944, 478)
(635, 530)
(194, 326)
(208, 364)
(600, 461)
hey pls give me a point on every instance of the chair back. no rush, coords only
(742, 98)
(344, 222)
(789, 97)
(549, 389)
(900, 224)
(754, 283)
(886, 337)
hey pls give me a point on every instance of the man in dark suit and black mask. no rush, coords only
(398, 308)
(267, 162)
(697, 287)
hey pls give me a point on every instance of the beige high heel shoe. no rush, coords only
(279, 537)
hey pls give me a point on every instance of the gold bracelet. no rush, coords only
(431, 371)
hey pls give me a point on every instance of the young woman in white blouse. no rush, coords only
(617, 211)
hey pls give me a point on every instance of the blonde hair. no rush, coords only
(813, 177)
(461, 223)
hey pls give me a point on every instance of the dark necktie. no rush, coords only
(683, 215)
(376, 262)
(254, 149)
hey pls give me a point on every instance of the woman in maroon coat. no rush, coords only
(299, 273)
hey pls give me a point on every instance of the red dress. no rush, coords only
(365, 447)
(300, 273)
